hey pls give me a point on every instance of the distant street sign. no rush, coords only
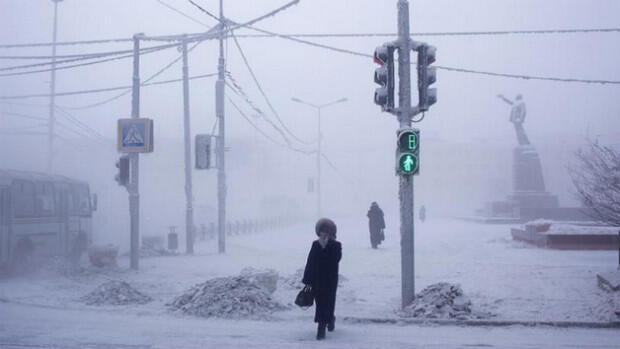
(135, 135)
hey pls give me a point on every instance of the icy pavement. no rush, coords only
(35, 327)
(498, 275)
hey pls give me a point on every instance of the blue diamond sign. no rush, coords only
(135, 135)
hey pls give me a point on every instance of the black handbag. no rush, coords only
(305, 298)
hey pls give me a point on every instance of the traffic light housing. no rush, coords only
(122, 164)
(427, 75)
(384, 76)
(408, 152)
(202, 148)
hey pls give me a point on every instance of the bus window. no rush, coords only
(80, 200)
(22, 195)
(44, 203)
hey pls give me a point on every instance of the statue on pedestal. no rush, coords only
(528, 184)
(517, 117)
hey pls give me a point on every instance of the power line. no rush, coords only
(80, 92)
(67, 43)
(80, 124)
(183, 14)
(24, 116)
(238, 90)
(469, 33)
(530, 77)
(466, 33)
(145, 83)
(254, 125)
(453, 69)
(205, 11)
(77, 55)
(83, 58)
(70, 66)
(260, 88)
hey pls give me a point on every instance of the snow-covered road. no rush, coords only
(36, 327)
(509, 279)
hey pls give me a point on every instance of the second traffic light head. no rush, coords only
(384, 76)
(427, 75)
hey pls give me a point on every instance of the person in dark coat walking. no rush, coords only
(376, 224)
(321, 274)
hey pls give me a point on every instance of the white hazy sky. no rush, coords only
(467, 109)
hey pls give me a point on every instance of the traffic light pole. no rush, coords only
(189, 210)
(134, 187)
(221, 144)
(405, 191)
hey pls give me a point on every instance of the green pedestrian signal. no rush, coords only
(407, 152)
(408, 164)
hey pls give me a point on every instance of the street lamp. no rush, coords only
(318, 152)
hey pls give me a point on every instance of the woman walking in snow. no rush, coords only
(321, 274)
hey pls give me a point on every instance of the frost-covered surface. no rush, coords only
(115, 293)
(228, 297)
(442, 301)
(498, 275)
(266, 278)
(555, 227)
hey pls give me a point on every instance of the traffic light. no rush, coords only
(384, 76)
(408, 152)
(426, 76)
(203, 151)
(122, 177)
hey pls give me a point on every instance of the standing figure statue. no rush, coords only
(376, 224)
(517, 117)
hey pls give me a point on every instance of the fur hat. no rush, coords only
(326, 225)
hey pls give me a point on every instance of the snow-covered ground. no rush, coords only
(509, 279)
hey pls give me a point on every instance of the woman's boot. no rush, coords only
(320, 332)
(332, 324)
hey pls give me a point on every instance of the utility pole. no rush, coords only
(319, 151)
(52, 106)
(405, 190)
(189, 213)
(220, 143)
(134, 187)
(318, 166)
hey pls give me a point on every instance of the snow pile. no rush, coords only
(294, 280)
(441, 301)
(267, 278)
(228, 297)
(115, 293)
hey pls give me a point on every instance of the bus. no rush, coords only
(43, 215)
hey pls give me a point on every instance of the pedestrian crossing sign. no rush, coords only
(135, 135)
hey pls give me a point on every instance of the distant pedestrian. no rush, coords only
(321, 274)
(422, 213)
(376, 224)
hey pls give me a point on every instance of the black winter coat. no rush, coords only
(321, 273)
(375, 219)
